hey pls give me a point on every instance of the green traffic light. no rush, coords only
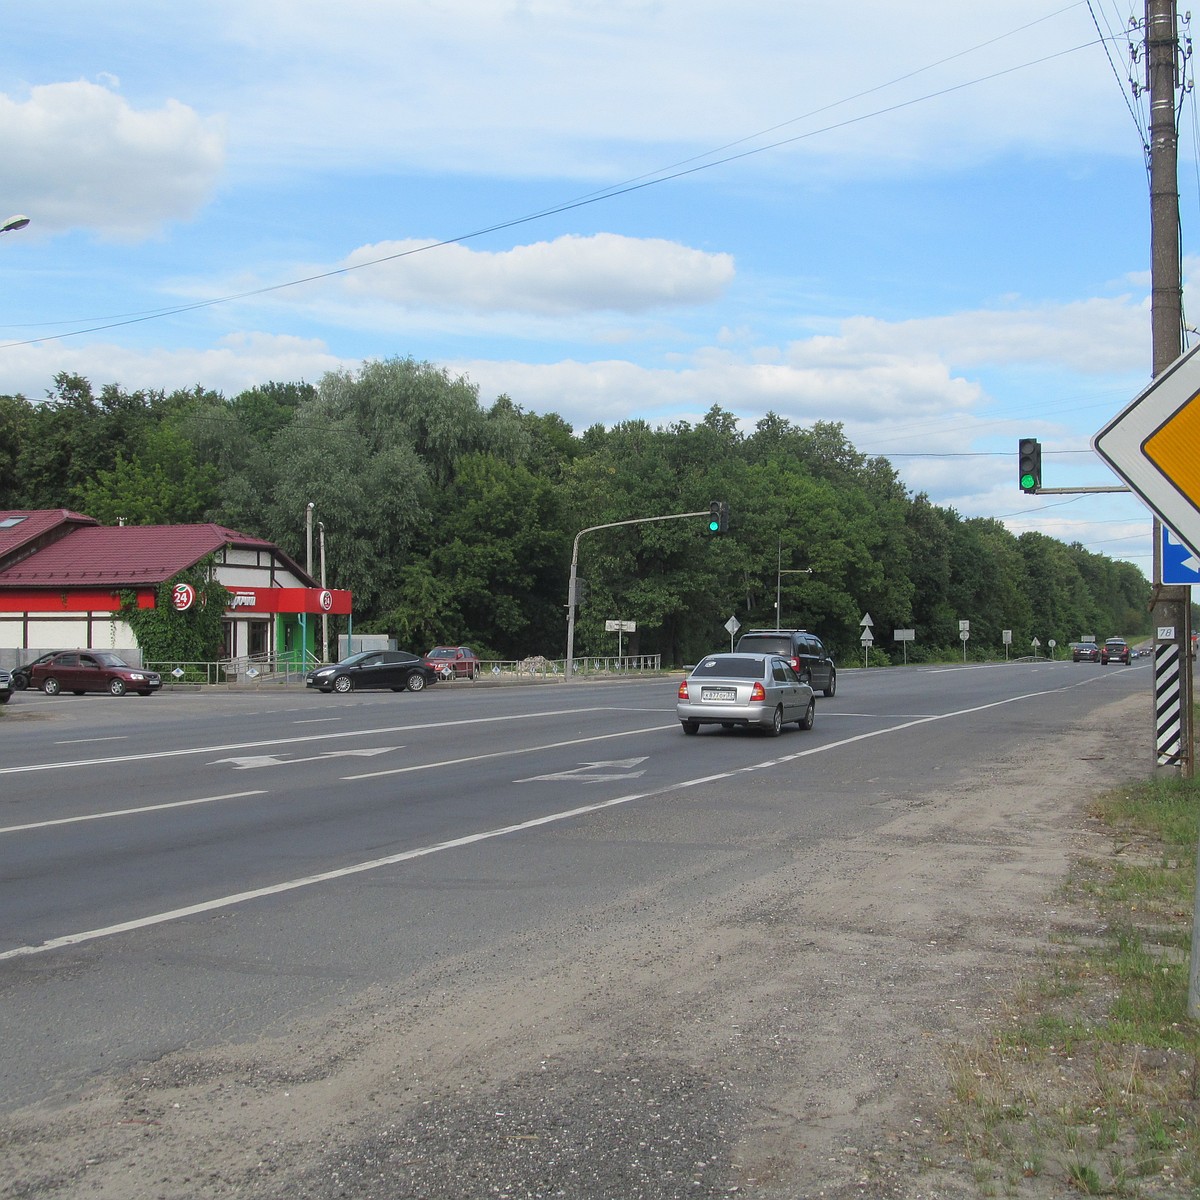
(1028, 482)
(713, 526)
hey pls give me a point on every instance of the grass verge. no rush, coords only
(1090, 1088)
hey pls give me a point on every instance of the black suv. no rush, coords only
(804, 650)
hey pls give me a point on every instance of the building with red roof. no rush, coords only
(61, 575)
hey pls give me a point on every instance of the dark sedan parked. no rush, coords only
(82, 671)
(395, 669)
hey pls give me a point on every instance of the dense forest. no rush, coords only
(452, 521)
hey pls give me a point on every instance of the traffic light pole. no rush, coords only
(571, 585)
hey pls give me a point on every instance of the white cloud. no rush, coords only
(230, 366)
(79, 156)
(1094, 336)
(605, 272)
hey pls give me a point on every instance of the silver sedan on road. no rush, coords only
(734, 690)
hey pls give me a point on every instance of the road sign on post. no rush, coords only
(1179, 564)
(1154, 446)
(731, 627)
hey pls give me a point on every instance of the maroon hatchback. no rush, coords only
(82, 671)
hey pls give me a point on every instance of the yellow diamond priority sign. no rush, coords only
(1154, 446)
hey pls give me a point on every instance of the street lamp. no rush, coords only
(308, 524)
(779, 574)
(324, 614)
(17, 222)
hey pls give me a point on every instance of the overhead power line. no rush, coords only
(689, 167)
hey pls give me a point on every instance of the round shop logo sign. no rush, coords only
(326, 601)
(183, 597)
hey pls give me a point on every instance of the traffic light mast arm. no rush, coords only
(1029, 474)
(1079, 491)
(575, 566)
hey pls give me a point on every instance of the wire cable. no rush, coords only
(568, 206)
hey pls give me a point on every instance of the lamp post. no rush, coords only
(17, 222)
(779, 574)
(308, 524)
(324, 614)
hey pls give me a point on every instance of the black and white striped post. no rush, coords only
(1169, 742)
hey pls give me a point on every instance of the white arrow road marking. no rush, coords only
(586, 775)
(270, 760)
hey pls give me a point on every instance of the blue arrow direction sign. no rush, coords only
(1179, 564)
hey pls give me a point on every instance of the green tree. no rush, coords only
(162, 485)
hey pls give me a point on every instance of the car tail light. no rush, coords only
(758, 692)
(795, 664)
(683, 692)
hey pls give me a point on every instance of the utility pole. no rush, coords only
(1172, 607)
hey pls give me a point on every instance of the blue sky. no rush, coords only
(928, 221)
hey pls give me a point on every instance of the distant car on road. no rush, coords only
(82, 671)
(747, 690)
(1115, 650)
(1085, 652)
(805, 651)
(6, 686)
(459, 662)
(22, 675)
(395, 669)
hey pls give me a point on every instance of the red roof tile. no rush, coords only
(126, 555)
(19, 527)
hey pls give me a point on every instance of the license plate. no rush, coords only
(718, 694)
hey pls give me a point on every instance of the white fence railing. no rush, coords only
(265, 670)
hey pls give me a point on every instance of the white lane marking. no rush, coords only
(122, 737)
(456, 762)
(91, 935)
(128, 812)
(288, 741)
(270, 760)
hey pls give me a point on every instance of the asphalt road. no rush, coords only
(191, 869)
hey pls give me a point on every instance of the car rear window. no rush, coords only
(736, 668)
(756, 644)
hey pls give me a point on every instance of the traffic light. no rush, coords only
(1029, 464)
(718, 516)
